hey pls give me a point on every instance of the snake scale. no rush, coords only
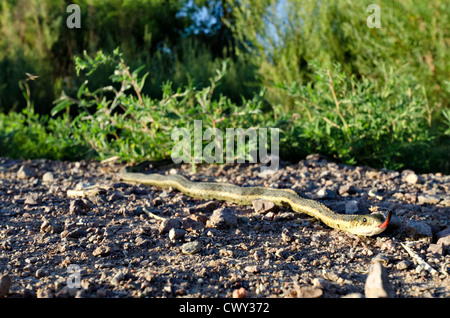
(364, 225)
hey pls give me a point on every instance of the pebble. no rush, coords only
(191, 247)
(77, 206)
(287, 235)
(263, 206)
(428, 199)
(402, 265)
(377, 283)
(168, 224)
(374, 192)
(76, 233)
(32, 199)
(240, 293)
(325, 193)
(251, 269)
(411, 178)
(44, 293)
(102, 251)
(443, 238)
(418, 229)
(189, 224)
(347, 188)
(48, 177)
(40, 273)
(222, 218)
(351, 207)
(176, 234)
(117, 278)
(116, 195)
(5, 284)
(26, 172)
(309, 292)
(207, 207)
(437, 249)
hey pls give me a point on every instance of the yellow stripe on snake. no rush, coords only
(366, 225)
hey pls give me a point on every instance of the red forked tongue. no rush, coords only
(386, 222)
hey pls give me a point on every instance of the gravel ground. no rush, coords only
(73, 229)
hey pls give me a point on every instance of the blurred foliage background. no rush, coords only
(360, 95)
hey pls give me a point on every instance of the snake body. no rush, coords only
(365, 225)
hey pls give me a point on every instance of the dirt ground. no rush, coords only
(73, 229)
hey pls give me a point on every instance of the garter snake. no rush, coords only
(365, 225)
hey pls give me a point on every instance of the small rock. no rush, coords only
(116, 279)
(116, 195)
(372, 174)
(428, 199)
(411, 178)
(443, 238)
(374, 192)
(222, 218)
(76, 233)
(281, 253)
(347, 188)
(331, 276)
(351, 207)
(377, 283)
(320, 283)
(264, 206)
(32, 199)
(325, 193)
(240, 293)
(191, 247)
(31, 260)
(26, 172)
(419, 269)
(207, 207)
(309, 292)
(402, 265)
(5, 284)
(176, 234)
(102, 251)
(44, 293)
(46, 226)
(287, 235)
(189, 224)
(437, 249)
(418, 229)
(40, 273)
(168, 224)
(77, 206)
(251, 269)
(48, 177)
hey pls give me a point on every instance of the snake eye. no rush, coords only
(364, 220)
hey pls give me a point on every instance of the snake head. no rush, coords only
(372, 224)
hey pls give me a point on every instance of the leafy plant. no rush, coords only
(362, 122)
(119, 120)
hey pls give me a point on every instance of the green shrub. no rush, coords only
(364, 122)
(119, 120)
